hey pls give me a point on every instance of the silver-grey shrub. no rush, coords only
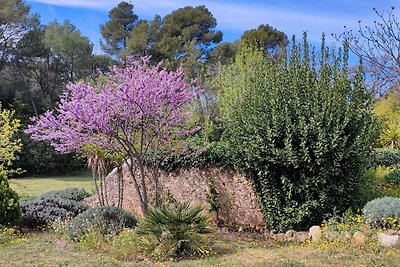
(378, 211)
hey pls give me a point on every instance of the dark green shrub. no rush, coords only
(393, 177)
(174, 230)
(52, 206)
(371, 187)
(302, 132)
(39, 158)
(10, 211)
(387, 158)
(106, 219)
(383, 212)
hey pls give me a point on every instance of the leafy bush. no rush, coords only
(174, 230)
(106, 219)
(52, 206)
(10, 211)
(393, 177)
(77, 194)
(9, 145)
(372, 186)
(302, 132)
(383, 212)
(39, 158)
(387, 157)
(347, 222)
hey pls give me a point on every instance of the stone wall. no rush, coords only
(239, 204)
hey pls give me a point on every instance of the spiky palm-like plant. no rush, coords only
(174, 230)
(390, 136)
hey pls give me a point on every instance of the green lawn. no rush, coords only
(46, 249)
(230, 249)
(34, 186)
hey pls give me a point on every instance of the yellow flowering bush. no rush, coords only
(9, 146)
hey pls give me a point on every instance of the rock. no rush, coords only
(365, 229)
(279, 237)
(388, 240)
(269, 235)
(359, 239)
(289, 235)
(301, 237)
(315, 233)
(331, 235)
(391, 232)
(239, 201)
(60, 243)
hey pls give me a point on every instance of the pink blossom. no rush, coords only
(135, 107)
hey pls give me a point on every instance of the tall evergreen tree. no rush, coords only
(118, 29)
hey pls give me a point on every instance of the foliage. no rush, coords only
(143, 37)
(387, 108)
(174, 230)
(39, 158)
(186, 25)
(76, 194)
(105, 219)
(117, 30)
(376, 186)
(348, 222)
(216, 153)
(126, 246)
(71, 50)
(372, 186)
(383, 212)
(390, 136)
(15, 22)
(9, 145)
(300, 130)
(393, 177)
(212, 196)
(139, 111)
(223, 53)
(51, 207)
(387, 157)
(265, 38)
(10, 211)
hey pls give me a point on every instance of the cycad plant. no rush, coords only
(390, 136)
(174, 230)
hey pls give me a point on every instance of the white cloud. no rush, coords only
(237, 17)
(97, 4)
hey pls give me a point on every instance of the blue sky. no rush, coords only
(233, 16)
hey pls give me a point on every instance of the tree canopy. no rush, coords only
(266, 38)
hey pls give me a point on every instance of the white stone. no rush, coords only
(388, 240)
(315, 233)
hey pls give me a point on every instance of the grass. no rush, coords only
(35, 186)
(233, 250)
(46, 249)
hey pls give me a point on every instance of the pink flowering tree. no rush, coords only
(139, 111)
